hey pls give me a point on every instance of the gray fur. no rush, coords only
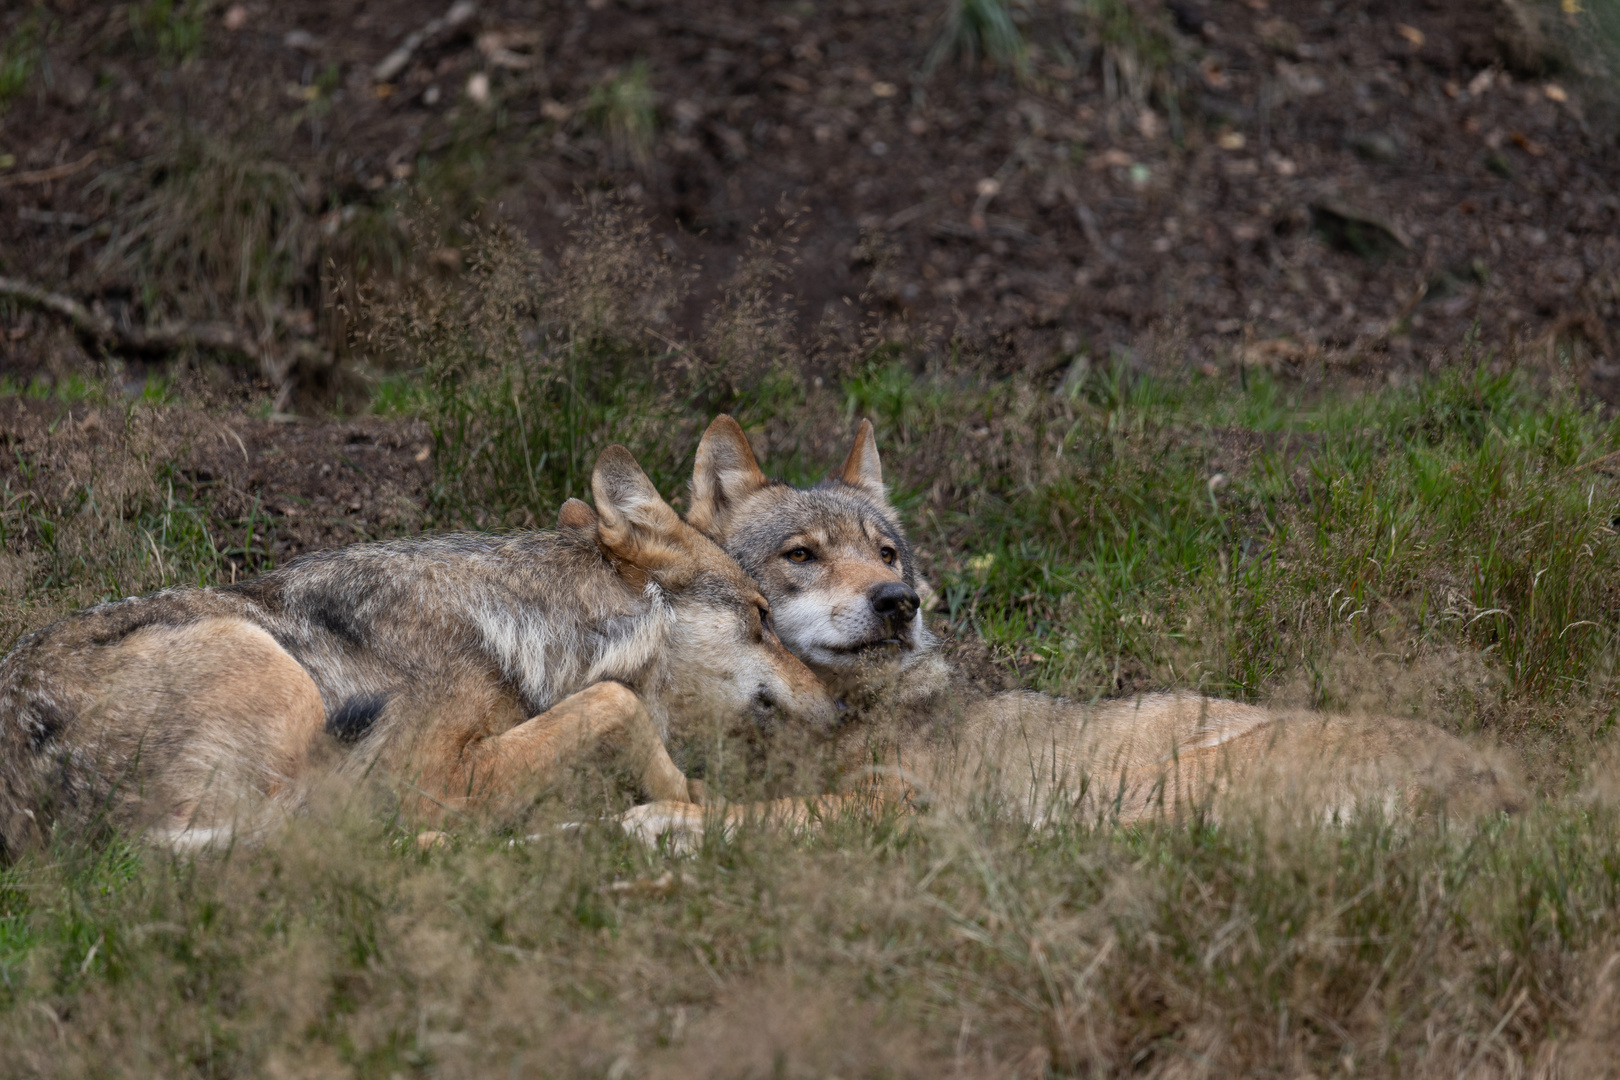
(389, 634)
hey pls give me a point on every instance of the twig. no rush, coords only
(45, 176)
(1088, 225)
(162, 339)
(1597, 461)
(395, 62)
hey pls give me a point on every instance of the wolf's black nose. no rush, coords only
(893, 600)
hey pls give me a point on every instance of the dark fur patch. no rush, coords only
(352, 719)
(45, 725)
(121, 619)
(333, 617)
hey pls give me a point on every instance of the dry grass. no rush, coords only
(207, 230)
(971, 946)
(1436, 551)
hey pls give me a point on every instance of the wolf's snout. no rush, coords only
(893, 601)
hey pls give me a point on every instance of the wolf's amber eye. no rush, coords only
(800, 554)
(889, 555)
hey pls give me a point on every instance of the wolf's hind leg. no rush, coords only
(211, 720)
(537, 750)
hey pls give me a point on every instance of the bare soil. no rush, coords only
(1350, 184)
(297, 486)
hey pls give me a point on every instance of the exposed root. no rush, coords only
(277, 368)
(395, 62)
(45, 176)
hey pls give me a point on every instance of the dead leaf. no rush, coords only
(501, 48)
(1274, 352)
(1527, 144)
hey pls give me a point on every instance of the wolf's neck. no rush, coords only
(632, 649)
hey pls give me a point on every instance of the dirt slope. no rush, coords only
(1273, 181)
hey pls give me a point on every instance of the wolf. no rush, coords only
(840, 575)
(472, 666)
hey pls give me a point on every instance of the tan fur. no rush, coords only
(862, 468)
(252, 712)
(1160, 756)
(465, 750)
(575, 514)
(938, 742)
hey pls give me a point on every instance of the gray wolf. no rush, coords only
(835, 564)
(471, 666)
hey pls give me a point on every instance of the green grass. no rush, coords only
(209, 227)
(975, 29)
(624, 108)
(892, 950)
(74, 387)
(1438, 549)
(19, 60)
(171, 28)
(527, 372)
(1444, 516)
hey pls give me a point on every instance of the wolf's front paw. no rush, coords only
(682, 823)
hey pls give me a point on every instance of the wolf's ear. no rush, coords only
(633, 521)
(725, 473)
(862, 469)
(575, 514)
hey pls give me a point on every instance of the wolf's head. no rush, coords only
(832, 559)
(720, 656)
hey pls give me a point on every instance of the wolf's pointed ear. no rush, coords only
(575, 514)
(633, 521)
(725, 473)
(862, 469)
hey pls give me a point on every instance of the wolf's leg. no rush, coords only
(216, 718)
(538, 749)
(685, 822)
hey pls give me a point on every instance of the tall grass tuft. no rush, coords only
(979, 29)
(624, 108)
(532, 369)
(532, 366)
(171, 28)
(19, 57)
(208, 231)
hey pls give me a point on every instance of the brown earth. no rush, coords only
(1073, 211)
(290, 486)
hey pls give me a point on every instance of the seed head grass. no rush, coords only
(1442, 550)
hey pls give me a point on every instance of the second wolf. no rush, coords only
(469, 666)
(840, 575)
